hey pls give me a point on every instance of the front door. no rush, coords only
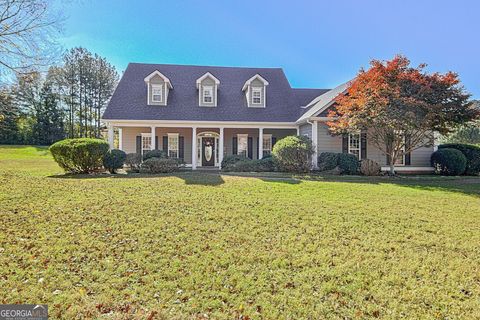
(208, 151)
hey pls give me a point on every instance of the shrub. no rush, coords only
(293, 154)
(113, 160)
(83, 155)
(134, 160)
(155, 154)
(159, 165)
(449, 161)
(228, 161)
(370, 168)
(471, 152)
(348, 163)
(327, 161)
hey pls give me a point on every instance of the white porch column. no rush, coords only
(220, 147)
(298, 131)
(111, 136)
(315, 143)
(120, 138)
(152, 145)
(260, 143)
(194, 148)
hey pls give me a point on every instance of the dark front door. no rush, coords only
(208, 152)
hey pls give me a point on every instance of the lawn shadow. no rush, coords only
(189, 177)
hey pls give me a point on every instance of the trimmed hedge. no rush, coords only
(348, 163)
(82, 155)
(293, 154)
(327, 161)
(114, 159)
(242, 164)
(155, 154)
(370, 168)
(160, 165)
(134, 161)
(449, 161)
(471, 152)
(229, 161)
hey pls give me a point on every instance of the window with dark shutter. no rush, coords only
(234, 145)
(250, 147)
(363, 145)
(138, 145)
(165, 144)
(181, 147)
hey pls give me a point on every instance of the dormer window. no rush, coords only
(158, 87)
(257, 96)
(157, 93)
(207, 94)
(207, 86)
(255, 90)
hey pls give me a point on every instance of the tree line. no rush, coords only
(66, 101)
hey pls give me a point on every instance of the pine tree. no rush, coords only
(49, 126)
(9, 115)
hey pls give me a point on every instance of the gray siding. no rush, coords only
(327, 142)
(306, 130)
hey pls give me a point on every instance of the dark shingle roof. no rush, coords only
(283, 103)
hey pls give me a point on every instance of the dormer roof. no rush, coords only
(207, 75)
(161, 75)
(249, 81)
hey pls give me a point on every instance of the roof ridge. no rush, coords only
(202, 66)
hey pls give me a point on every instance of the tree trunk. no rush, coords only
(392, 170)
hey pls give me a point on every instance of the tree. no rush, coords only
(87, 82)
(401, 106)
(9, 114)
(48, 127)
(468, 133)
(28, 32)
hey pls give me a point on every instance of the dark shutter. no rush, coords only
(156, 142)
(165, 144)
(139, 145)
(250, 147)
(363, 145)
(274, 140)
(234, 145)
(258, 148)
(388, 156)
(181, 147)
(408, 156)
(345, 143)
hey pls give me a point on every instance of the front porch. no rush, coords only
(199, 146)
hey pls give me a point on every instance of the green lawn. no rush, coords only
(193, 245)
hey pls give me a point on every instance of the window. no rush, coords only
(208, 94)
(267, 144)
(146, 142)
(173, 145)
(156, 93)
(242, 144)
(354, 145)
(256, 96)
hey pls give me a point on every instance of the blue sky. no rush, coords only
(319, 44)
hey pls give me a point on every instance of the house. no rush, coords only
(201, 114)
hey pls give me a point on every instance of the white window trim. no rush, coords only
(242, 135)
(160, 87)
(146, 135)
(259, 90)
(205, 89)
(265, 137)
(177, 136)
(359, 144)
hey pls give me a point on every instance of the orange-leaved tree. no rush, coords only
(401, 107)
